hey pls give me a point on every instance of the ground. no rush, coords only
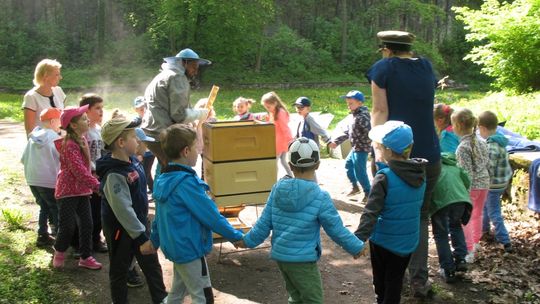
(250, 277)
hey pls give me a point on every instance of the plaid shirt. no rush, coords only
(357, 131)
(499, 168)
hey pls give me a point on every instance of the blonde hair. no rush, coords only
(466, 122)
(242, 100)
(43, 68)
(273, 98)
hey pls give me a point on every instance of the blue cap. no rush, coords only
(139, 102)
(142, 136)
(302, 102)
(393, 134)
(354, 94)
(189, 54)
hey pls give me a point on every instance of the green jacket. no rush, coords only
(452, 187)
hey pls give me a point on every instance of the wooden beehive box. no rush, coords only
(239, 161)
(238, 140)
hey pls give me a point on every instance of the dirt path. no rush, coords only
(249, 276)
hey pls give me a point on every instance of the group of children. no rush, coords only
(73, 170)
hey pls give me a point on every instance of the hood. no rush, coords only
(448, 159)
(173, 65)
(293, 194)
(107, 162)
(42, 136)
(500, 139)
(412, 171)
(167, 183)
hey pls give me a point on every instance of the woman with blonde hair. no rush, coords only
(45, 94)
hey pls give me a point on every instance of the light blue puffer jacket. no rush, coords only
(295, 211)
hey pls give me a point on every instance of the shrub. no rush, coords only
(14, 219)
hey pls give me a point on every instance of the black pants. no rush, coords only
(73, 212)
(148, 162)
(388, 271)
(121, 251)
(95, 206)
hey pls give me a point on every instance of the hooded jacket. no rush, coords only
(452, 187)
(186, 216)
(167, 96)
(500, 171)
(124, 202)
(74, 177)
(41, 159)
(357, 131)
(391, 218)
(295, 211)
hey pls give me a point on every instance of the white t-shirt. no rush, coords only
(37, 102)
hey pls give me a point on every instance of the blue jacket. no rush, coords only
(391, 218)
(295, 211)
(186, 216)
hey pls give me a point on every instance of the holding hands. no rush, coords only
(147, 248)
(362, 252)
(239, 244)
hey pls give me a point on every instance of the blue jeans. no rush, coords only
(355, 164)
(48, 208)
(448, 220)
(492, 213)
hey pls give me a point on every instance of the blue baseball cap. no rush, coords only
(393, 134)
(139, 102)
(354, 94)
(302, 102)
(142, 136)
(189, 54)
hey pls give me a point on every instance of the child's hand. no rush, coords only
(332, 145)
(147, 248)
(239, 244)
(362, 252)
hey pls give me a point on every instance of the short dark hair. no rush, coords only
(176, 138)
(90, 99)
(488, 119)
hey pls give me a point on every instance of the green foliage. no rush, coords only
(10, 107)
(14, 219)
(519, 111)
(508, 42)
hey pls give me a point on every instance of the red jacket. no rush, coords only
(75, 177)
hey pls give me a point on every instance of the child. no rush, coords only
(308, 127)
(500, 174)
(277, 114)
(450, 208)
(391, 218)
(74, 185)
(41, 165)
(139, 105)
(447, 138)
(125, 211)
(95, 116)
(472, 155)
(357, 133)
(294, 213)
(241, 107)
(185, 218)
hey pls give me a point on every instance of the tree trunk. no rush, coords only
(100, 47)
(344, 36)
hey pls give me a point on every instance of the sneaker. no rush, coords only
(100, 247)
(134, 279)
(365, 199)
(44, 240)
(58, 259)
(469, 258)
(508, 248)
(461, 265)
(449, 276)
(421, 292)
(354, 190)
(89, 263)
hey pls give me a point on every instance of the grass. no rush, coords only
(325, 100)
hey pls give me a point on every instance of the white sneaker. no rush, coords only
(469, 258)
